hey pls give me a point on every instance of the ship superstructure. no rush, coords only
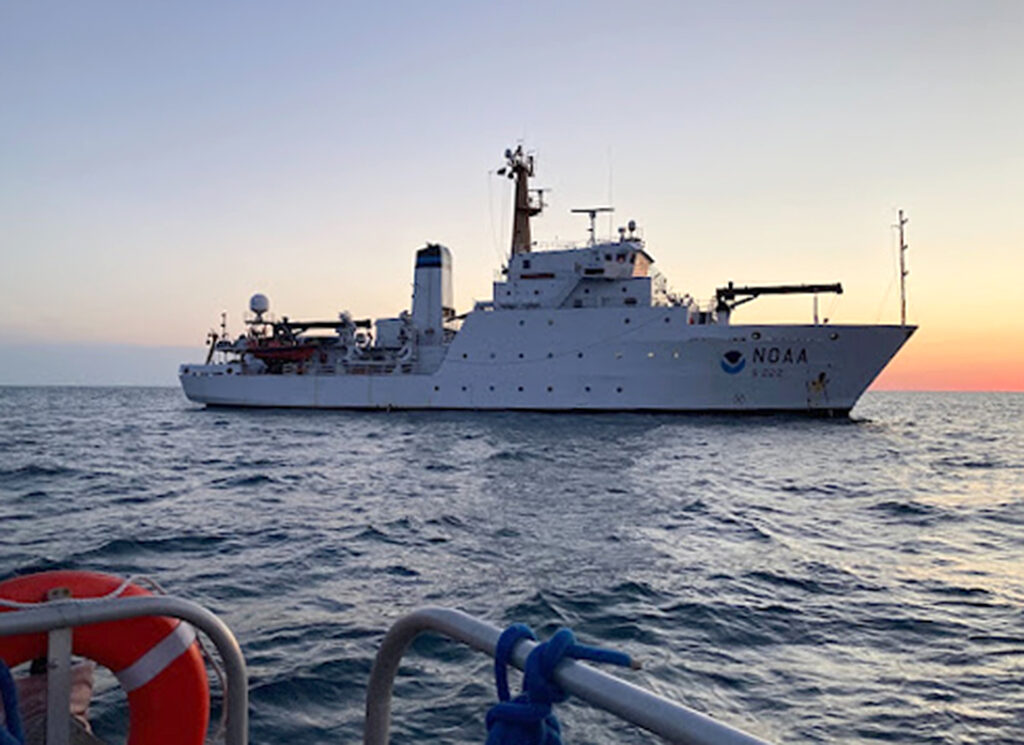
(584, 328)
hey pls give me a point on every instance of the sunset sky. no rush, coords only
(162, 162)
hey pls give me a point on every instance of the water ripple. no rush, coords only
(807, 581)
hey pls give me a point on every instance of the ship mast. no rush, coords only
(519, 166)
(903, 271)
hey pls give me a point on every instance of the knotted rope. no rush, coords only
(529, 719)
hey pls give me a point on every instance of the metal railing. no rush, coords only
(669, 720)
(59, 616)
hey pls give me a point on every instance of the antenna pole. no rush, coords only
(903, 271)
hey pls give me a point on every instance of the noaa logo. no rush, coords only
(732, 361)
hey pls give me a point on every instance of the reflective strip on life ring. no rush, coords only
(156, 659)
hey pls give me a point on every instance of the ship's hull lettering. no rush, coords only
(780, 355)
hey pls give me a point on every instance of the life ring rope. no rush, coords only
(116, 592)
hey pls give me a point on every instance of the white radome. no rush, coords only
(259, 303)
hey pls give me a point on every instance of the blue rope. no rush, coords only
(13, 734)
(528, 719)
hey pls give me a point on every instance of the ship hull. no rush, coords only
(611, 359)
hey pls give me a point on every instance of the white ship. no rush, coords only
(580, 329)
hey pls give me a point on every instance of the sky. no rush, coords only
(161, 162)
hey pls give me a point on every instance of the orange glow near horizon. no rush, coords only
(983, 361)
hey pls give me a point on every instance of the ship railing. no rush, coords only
(57, 618)
(667, 719)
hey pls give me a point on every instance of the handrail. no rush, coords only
(671, 721)
(79, 612)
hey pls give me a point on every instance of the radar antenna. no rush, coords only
(592, 211)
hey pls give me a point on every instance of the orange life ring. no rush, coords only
(156, 659)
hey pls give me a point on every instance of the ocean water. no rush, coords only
(806, 580)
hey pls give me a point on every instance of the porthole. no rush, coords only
(650, 355)
(520, 355)
(756, 335)
(618, 355)
(667, 319)
(619, 389)
(437, 387)
(550, 389)
(492, 355)
(587, 388)
(625, 320)
(550, 355)
(491, 388)
(465, 356)
(463, 389)
(675, 354)
(580, 355)
(551, 322)
(520, 389)
(522, 322)
(833, 336)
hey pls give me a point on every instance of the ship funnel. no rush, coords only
(432, 301)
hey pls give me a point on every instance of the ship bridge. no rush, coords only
(599, 275)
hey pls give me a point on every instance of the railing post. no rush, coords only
(58, 678)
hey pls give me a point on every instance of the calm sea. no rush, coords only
(806, 580)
